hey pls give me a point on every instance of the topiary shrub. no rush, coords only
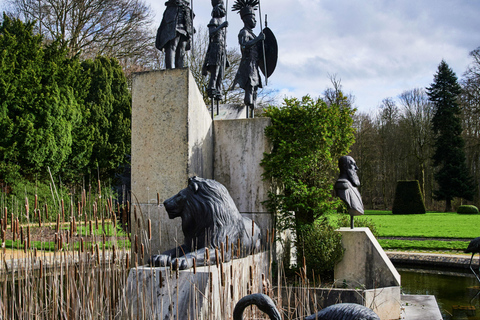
(467, 209)
(408, 198)
(321, 246)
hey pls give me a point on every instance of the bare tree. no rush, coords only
(416, 119)
(365, 152)
(335, 95)
(470, 106)
(389, 149)
(116, 28)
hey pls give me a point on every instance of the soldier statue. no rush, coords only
(346, 187)
(175, 33)
(216, 58)
(248, 76)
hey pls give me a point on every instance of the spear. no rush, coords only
(263, 44)
(225, 44)
(191, 15)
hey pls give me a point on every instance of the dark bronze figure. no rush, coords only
(209, 217)
(473, 247)
(344, 311)
(346, 186)
(248, 76)
(175, 33)
(216, 58)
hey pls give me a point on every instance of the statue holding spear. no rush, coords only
(256, 51)
(216, 58)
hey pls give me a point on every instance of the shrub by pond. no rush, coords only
(467, 209)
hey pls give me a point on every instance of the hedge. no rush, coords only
(408, 198)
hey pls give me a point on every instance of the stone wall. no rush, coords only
(171, 141)
(174, 138)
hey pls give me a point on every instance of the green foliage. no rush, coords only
(46, 195)
(109, 103)
(37, 109)
(322, 247)
(408, 198)
(453, 177)
(343, 221)
(467, 209)
(308, 137)
(57, 113)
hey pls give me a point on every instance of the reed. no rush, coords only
(82, 271)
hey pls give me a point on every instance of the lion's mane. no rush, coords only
(210, 213)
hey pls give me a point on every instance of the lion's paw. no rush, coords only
(181, 263)
(160, 260)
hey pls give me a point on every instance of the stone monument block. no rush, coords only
(172, 140)
(209, 293)
(365, 265)
(239, 148)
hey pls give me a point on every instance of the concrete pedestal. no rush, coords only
(210, 293)
(239, 148)
(365, 265)
(172, 140)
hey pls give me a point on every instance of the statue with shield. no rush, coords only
(259, 53)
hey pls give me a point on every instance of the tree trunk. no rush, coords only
(448, 205)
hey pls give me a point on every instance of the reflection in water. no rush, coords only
(457, 293)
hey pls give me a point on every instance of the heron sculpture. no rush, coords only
(341, 311)
(474, 247)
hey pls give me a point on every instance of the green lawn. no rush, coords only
(431, 226)
(422, 245)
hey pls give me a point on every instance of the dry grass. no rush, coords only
(84, 275)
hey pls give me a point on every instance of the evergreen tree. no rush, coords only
(452, 174)
(38, 110)
(108, 105)
(56, 112)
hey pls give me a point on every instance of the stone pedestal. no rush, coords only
(172, 140)
(239, 148)
(210, 293)
(365, 265)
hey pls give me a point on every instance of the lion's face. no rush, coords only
(175, 205)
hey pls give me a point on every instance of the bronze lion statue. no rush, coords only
(209, 218)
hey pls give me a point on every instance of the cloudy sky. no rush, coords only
(378, 48)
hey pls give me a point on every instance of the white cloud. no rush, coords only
(377, 48)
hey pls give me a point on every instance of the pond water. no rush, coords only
(457, 292)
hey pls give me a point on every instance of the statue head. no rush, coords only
(246, 8)
(348, 170)
(218, 10)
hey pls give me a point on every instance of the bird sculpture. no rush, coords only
(474, 247)
(341, 311)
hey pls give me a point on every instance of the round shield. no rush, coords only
(268, 59)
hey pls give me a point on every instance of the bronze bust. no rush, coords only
(346, 186)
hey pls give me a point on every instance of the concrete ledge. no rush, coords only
(433, 259)
(365, 265)
(423, 307)
(364, 262)
(210, 293)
